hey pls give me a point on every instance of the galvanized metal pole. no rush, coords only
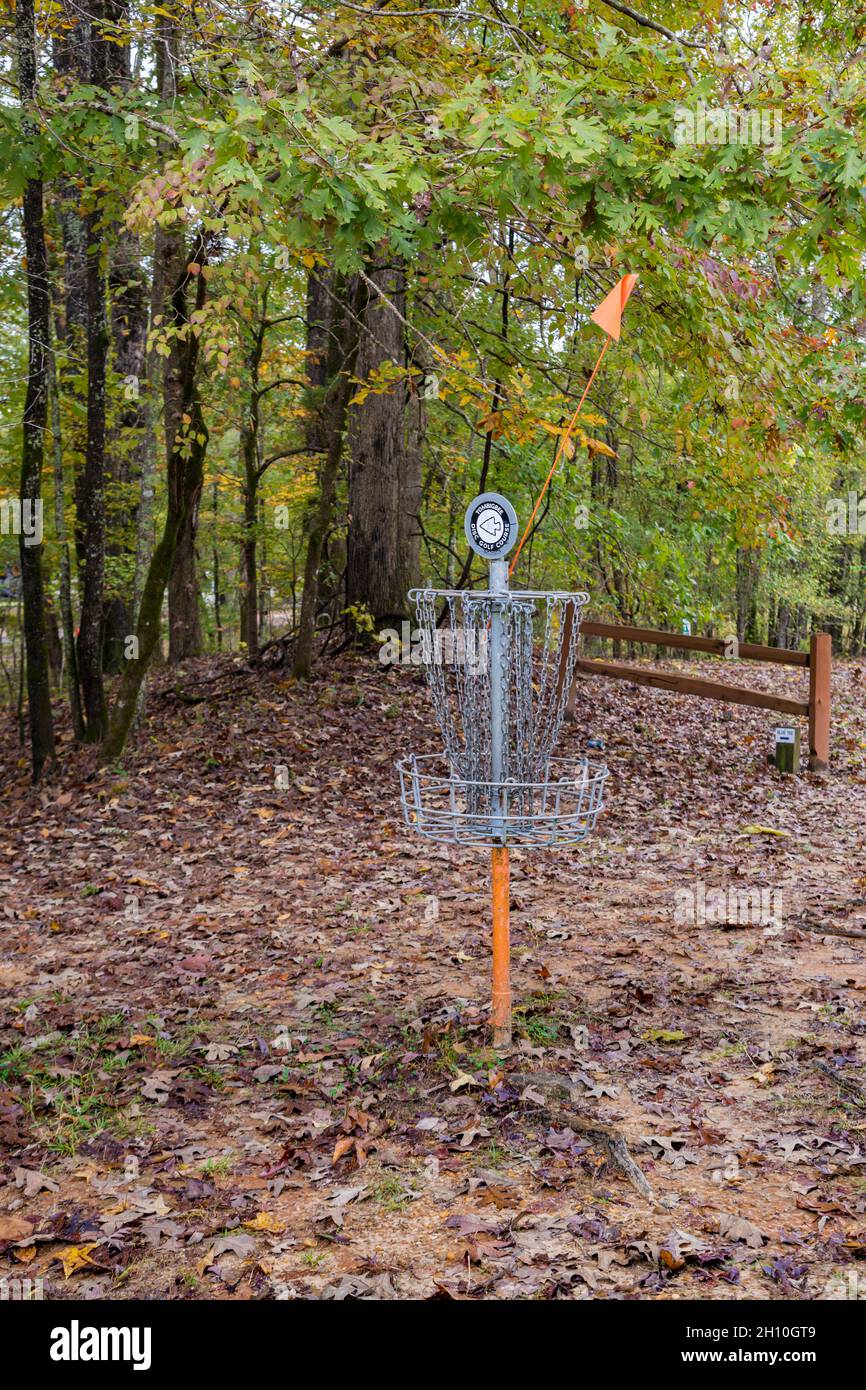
(498, 585)
(499, 868)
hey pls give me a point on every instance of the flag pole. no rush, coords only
(608, 316)
(562, 443)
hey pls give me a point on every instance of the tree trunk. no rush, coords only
(128, 444)
(411, 486)
(341, 363)
(249, 559)
(251, 464)
(380, 490)
(185, 477)
(67, 625)
(748, 573)
(838, 588)
(92, 485)
(171, 258)
(71, 47)
(215, 555)
(184, 619)
(93, 494)
(184, 616)
(320, 313)
(35, 412)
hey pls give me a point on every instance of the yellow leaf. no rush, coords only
(666, 1035)
(141, 1040)
(76, 1257)
(463, 1079)
(597, 446)
(25, 1253)
(765, 1075)
(266, 1221)
(762, 830)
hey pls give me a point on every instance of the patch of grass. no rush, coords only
(68, 1105)
(392, 1193)
(537, 1021)
(493, 1155)
(181, 1043)
(313, 1259)
(218, 1166)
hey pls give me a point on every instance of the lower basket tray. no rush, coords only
(561, 809)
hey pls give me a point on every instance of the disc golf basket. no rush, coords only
(499, 664)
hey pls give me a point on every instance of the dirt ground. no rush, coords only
(244, 1021)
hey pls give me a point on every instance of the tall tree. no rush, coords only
(384, 478)
(128, 439)
(184, 484)
(93, 483)
(184, 618)
(35, 411)
(340, 366)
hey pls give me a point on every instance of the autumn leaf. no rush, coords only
(342, 1147)
(765, 1074)
(461, 1080)
(266, 1221)
(762, 830)
(597, 446)
(75, 1258)
(664, 1035)
(15, 1227)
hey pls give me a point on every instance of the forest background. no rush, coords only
(283, 287)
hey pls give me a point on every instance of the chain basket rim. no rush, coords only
(434, 803)
(579, 597)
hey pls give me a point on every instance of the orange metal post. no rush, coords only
(501, 1012)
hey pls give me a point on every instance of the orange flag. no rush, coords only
(608, 315)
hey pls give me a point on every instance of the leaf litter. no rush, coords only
(245, 1029)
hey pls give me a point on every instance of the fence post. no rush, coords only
(820, 659)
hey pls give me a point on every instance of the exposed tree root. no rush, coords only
(823, 929)
(844, 1083)
(603, 1135)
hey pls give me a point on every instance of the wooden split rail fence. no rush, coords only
(818, 661)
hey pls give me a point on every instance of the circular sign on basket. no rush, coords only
(491, 525)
